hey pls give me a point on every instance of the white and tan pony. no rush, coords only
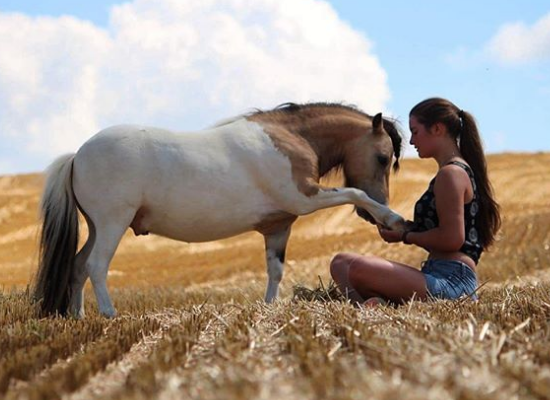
(259, 171)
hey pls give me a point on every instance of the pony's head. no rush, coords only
(338, 137)
(369, 158)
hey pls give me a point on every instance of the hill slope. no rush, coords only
(520, 182)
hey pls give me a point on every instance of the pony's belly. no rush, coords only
(199, 226)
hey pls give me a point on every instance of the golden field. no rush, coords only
(192, 324)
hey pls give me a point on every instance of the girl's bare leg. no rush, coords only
(339, 270)
(368, 276)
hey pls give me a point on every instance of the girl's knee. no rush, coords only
(357, 270)
(340, 262)
(354, 272)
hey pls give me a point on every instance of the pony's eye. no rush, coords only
(383, 160)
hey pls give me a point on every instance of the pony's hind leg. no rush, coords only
(80, 273)
(108, 236)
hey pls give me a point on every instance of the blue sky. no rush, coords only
(490, 58)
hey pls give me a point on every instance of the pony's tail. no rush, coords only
(58, 239)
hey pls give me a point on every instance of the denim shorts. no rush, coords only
(449, 279)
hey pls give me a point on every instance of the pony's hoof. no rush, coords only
(270, 299)
(396, 223)
(78, 315)
(108, 313)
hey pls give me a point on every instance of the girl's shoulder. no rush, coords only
(457, 165)
(461, 164)
(453, 173)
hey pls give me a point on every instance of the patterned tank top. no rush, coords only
(425, 216)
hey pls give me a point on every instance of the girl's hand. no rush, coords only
(388, 235)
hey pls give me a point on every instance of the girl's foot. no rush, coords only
(374, 302)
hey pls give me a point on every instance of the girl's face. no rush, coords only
(421, 138)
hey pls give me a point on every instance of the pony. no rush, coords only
(258, 171)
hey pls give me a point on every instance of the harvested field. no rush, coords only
(192, 324)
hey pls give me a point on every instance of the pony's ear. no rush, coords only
(377, 123)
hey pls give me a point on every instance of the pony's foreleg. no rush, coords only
(275, 247)
(338, 196)
(97, 265)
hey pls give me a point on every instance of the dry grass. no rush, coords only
(320, 293)
(192, 325)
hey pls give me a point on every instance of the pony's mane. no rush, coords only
(390, 125)
(294, 108)
(227, 121)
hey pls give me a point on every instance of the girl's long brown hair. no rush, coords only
(463, 128)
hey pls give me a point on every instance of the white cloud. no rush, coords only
(48, 84)
(517, 43)
(176, 64)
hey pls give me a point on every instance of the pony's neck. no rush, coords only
(331, 137)
(328, 131)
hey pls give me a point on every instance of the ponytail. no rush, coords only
(471, 149)
(463, 128)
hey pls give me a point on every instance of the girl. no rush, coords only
(455, 220)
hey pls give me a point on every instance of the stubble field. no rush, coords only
(192, 324)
